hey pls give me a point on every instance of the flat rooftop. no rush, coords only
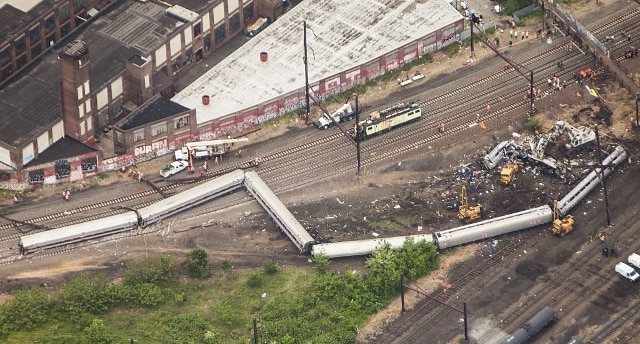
(341, 35)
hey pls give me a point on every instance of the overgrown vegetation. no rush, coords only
(533, 124)
(153, 303)
(197, 263)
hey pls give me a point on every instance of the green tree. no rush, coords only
(97, 333)
(384, 272)
(417, 258)
(28, 308)
(87, 293)
(197, 263)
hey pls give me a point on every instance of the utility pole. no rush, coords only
(255, 331)
(464, 316)
(402, 291)
(637, 104)
(306, 74)
(473, 23)
(532, 109)
(601, 176)
(357, 135)
(544, 14)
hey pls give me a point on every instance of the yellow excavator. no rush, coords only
(561, 227)
(468, 213)
(508, 172)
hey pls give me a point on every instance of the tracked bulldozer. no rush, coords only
(468, 213)
(561, 227)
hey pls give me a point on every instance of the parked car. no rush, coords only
(173, 168)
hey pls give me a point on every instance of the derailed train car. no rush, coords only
(591, 181)
(364, 247)
(191, 198)
(279, 213)
(78, 232)
(132, 219)
(493, 227)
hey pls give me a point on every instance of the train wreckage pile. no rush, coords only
(568, 160)
(531, 150)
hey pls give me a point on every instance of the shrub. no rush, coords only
(226, 265)
(197, 263)
(321, 262)
(97, 333)
(269, 268)
(533, 124)
(255, 280)
(158, 271)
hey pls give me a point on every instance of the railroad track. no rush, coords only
(301, 158)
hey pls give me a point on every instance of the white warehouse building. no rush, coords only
(349, 43)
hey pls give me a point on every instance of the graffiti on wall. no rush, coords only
(152, 148)
(13, 185)
(410, 56)
(116, 163)
(62, 168)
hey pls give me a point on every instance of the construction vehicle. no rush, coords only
(468, 213)
(343, 114)
(580, 138)
(560, 226)
(205, 150)
(508, 172)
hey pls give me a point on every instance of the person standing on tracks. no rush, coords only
(239, 153)
(204, 166)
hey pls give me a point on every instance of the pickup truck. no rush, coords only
(173, 168)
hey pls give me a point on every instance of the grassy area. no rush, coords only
(394, 224)
(155, 302)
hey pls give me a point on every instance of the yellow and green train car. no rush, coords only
(387, 119)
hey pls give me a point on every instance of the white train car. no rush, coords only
(278, 212)
(78, 232)
(192, 197)
(493, 227)
(364, 247)
(591, 181)
(495, 156)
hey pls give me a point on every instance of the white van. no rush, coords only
(627, 271)
(634, 259)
